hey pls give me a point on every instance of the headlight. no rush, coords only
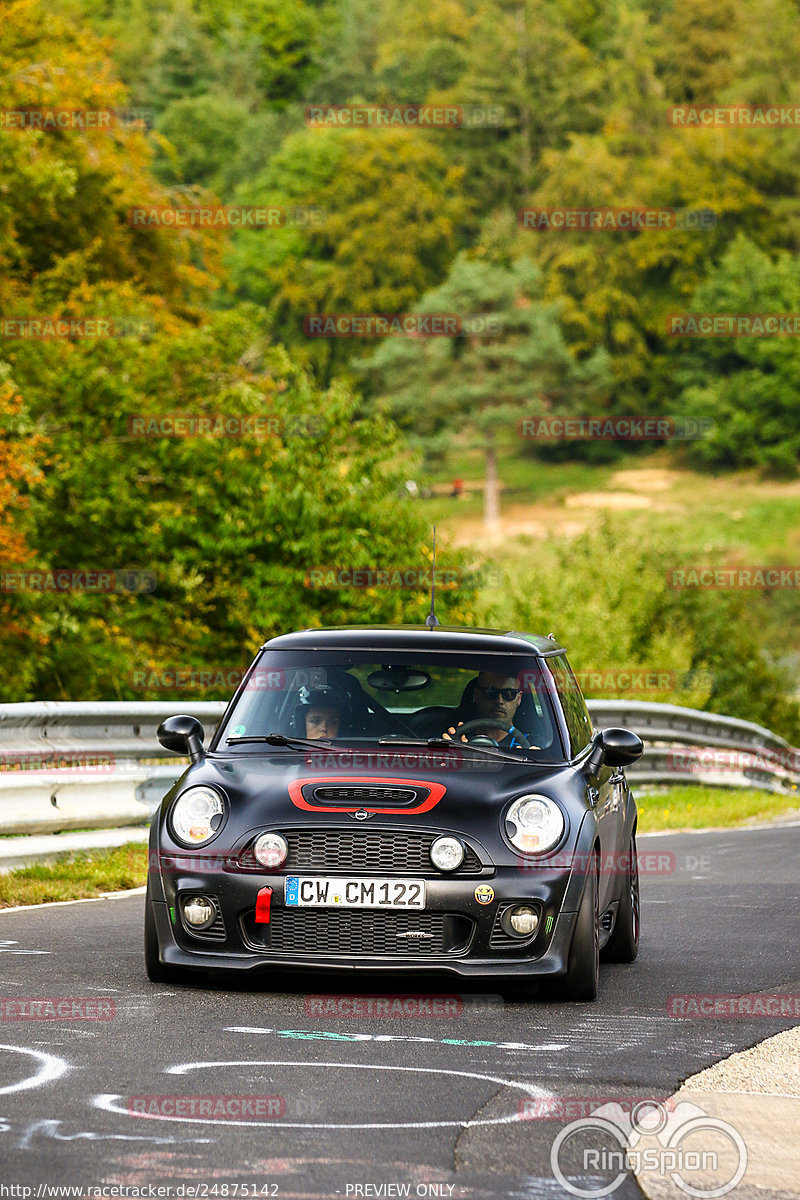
(447, 853)
(197, 816)
(271, 849)
(534, 824)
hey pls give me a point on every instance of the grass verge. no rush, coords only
(698, 807)
(78, 876)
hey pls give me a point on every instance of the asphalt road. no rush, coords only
(369, 1105)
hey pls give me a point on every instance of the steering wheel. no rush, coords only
(490, 723)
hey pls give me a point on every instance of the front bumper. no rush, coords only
(480, 953)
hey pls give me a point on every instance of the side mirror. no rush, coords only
(183, 735)
(615, 748)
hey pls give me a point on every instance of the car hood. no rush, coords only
(281, 785)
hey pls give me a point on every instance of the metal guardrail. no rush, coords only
(124, 729)
(115, 784)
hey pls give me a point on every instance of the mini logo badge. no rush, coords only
(362, 814)
(484, 894)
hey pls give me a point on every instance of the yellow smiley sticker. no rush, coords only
(484, 894)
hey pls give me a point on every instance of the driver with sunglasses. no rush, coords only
(495, 697)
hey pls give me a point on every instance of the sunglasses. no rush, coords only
(491, 693)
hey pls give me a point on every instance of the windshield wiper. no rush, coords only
(280, 739)
(440, 743)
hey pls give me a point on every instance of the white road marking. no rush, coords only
(49, 1128)
(321, 1035)
(6, 944)
(106, 1101)
(52, 1068)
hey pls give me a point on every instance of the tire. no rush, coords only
(582, 979)
(157, 972)
(623, 945)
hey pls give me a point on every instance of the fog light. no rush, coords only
(271, 849)
(524, 920)
(198, 912)
(447, 853)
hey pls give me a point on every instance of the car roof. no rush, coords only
(443, 638)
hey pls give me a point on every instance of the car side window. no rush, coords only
(576, 714)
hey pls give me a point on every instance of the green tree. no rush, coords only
(391, 215)
(231, 526)
(510, 356)
(607, 595)
(748, 387)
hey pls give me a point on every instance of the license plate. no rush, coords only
(321, 892)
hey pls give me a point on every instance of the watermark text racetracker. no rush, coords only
(613, 429)
(46, 761)
(704, 577)
(402, 1005)
(74, 119)
(218, 1108)
(241, 216)
(625, 220)
(763, 1004)
(57, 1008)
(225, 425)
(734, 116)
(707, 324)
(406, 116)
(616, 864)
(414, 325)
(46, 327)
(399, 577)
(71, 579)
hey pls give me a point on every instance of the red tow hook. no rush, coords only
(263, 901)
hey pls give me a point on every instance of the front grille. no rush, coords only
(359, 933)
(371, 852)
(367, 796)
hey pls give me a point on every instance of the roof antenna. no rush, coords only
(432, 620)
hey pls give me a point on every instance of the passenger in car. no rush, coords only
(321, 713)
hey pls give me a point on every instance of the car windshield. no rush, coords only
(354, 697)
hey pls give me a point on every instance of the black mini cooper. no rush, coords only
(396, 799)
